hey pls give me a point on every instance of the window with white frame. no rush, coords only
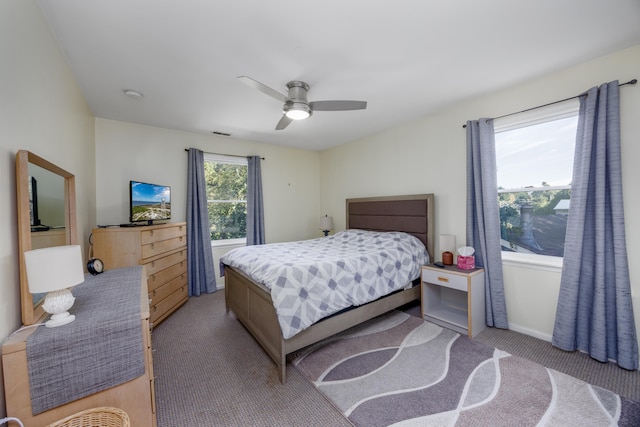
(534, 155)
(226, 181)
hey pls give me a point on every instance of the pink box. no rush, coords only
(466, 262)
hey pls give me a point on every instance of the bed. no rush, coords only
(252, 303)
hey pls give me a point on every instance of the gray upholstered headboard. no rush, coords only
(412, 214)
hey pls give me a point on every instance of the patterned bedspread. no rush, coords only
(312, 279)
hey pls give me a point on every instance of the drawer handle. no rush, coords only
(153, 294)
(151, 233)
(153, 309)
(151, 246)
(443, 279)
(181, 238)
(153, 263)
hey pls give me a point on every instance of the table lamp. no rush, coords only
(326, 224)
(54, 270)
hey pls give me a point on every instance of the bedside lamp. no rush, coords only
(54, 270)
(326, 224)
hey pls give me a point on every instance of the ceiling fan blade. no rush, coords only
(284, 122)
(337, 105)
(263, 88)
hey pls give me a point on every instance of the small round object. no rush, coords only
(95, 266)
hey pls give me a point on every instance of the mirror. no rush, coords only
(46, 201)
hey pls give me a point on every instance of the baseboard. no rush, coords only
(530, 332)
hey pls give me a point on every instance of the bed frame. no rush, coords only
(251, 302)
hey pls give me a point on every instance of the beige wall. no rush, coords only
(428, 156)
(43, 111)
(124, 152)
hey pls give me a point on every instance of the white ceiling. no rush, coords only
(406, 58)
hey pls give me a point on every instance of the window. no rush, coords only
(226, 180)
(534, 156)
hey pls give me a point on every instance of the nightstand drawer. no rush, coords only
(446, 279)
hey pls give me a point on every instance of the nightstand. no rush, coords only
(453, 298)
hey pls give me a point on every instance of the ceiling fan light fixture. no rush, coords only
(297, 110)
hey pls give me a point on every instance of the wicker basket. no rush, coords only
(95, 417)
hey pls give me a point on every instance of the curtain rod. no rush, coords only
(630, 82)
(222, 154)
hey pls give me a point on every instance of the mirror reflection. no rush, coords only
(46, 208)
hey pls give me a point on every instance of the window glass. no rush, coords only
(535, 168)
(226, 180)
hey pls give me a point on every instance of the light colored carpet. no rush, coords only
(211, 372)
(400, 370)
(580, 365)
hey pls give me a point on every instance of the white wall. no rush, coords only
(428, 156)
(43, 111)
(124, 152)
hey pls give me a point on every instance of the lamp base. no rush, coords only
(57, 303)
(60, 319)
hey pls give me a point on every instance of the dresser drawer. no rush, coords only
(157, 235)
(445, 279)
(162, 308)
(154, 281)
(165, 262)
(168, 288)
(162, 246)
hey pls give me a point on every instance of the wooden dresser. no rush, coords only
(136, 397)
(162, 249)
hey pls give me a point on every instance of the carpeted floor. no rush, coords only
(400, 370)
(210, 372)
(580, 365)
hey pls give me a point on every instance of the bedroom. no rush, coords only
(45, 112)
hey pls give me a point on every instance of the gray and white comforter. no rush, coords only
(312, 279)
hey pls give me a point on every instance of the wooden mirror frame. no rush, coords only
(32, 313)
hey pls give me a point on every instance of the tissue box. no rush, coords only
(466, 262)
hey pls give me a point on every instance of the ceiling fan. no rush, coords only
(296, 106)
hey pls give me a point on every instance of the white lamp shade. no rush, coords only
(447, 243)
(326, 223)
(54, 268)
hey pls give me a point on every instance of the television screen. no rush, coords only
(149, 202)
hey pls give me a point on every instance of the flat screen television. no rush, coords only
(149, 202)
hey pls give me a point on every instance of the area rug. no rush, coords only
(400, 370)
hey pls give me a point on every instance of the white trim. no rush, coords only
(539, 115)
(530, 332)
(221, 158)
(533, 261)
(229, 242)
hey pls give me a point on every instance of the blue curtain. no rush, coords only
(483, 216)
(595, 313)
(202, 277)
(255, 206)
